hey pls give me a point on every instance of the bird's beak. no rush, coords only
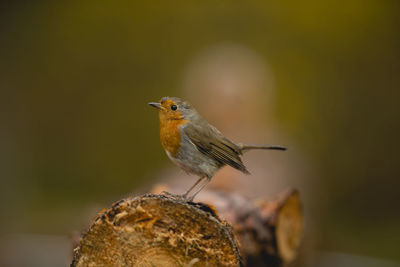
(155, 104)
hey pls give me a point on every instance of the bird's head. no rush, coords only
(173, 108)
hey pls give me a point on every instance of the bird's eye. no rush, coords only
(174, 107)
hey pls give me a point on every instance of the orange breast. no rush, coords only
(170, 134)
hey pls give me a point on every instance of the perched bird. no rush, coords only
(195, 145)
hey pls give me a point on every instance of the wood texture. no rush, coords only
(157, 230)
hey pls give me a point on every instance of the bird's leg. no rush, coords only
(198, 190)
(193, 186)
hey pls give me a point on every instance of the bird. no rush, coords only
(196, 146)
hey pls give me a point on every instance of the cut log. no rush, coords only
(157, 230)
(166, 230)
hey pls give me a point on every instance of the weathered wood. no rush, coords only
(157, 230)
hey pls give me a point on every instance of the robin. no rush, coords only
(195, 145)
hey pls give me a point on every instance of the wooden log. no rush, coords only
(269, 231)
(157, 230)
(165, 230)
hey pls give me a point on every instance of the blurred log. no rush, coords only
(165, 230)
(269, 231)
(157, 230)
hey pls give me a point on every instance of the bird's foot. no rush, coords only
(176, 196)
(186, 198)
(190, 199)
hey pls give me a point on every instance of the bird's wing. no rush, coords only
(211, 142)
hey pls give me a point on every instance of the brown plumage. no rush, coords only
(211, 142)
(195, 145)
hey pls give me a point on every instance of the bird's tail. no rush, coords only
(246, 147)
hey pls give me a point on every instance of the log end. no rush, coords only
(289, 226)
(157, 230)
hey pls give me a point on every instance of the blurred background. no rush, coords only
(76, 134)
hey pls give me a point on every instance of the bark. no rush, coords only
(269, 231)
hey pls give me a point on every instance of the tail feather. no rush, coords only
(246, 147)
